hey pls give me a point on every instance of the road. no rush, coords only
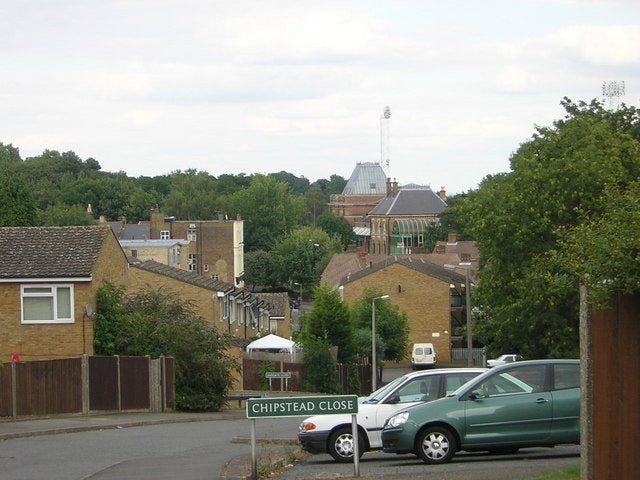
(464, 466)
(188, 451)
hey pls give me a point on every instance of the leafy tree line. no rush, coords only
(565, 213)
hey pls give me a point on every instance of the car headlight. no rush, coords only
(307, 426)
(397, 420)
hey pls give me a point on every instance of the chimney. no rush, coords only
(394, 186)
(389, 191)
(453, 238)
(442, 194)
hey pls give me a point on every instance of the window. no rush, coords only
(566, 376)
(165, 235)
(47, 303)
(191, 234)
(215, 276)
(193, 262)
(134, 253)
(205, 267)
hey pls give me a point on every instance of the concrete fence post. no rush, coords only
(86, 392)
(14, 390)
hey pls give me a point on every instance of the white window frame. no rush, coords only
(192, 262)
(53, 295)
(165, 235)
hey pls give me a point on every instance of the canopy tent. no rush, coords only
(271, 343)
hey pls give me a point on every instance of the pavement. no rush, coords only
(273, 452)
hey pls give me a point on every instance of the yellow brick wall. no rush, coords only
(425, 299)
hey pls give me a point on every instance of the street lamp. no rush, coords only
(467, 288)
(374, 373)
(299, 299)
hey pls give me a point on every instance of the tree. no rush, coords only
(316, 204)
(329, 321)
(18, 206)
(192, 196)
(62, 215)
(301, 256)
(269, 211)
(337, 227)
(529, 305)
(320, 372)
(156, 323)
(392, 327)
(603, 252)
(259, 269)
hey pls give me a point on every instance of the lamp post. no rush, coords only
(374, 372)
(300, 298)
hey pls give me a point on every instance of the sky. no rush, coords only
(149, 87)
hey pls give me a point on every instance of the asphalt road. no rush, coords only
(464, 466)
(185, 451)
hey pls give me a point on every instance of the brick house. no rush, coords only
(216, 246)
(364, 189)
(48, 282)
(398, 222)
(230, 309)
(425, 291)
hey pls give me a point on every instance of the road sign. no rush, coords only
(277, 375)
(301, 406)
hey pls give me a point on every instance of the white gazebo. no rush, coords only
(273, 344)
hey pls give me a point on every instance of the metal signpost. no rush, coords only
(303, 407)
(271, 375)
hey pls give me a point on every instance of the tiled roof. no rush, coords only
(50, 252)
(344, 265)
(276, 301)
(131, 231)
(368, 178)
(410, 201)
(420, 265)
(183, 275)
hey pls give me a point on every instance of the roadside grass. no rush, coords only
(572, 473)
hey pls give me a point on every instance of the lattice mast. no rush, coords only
(613, 91)
(385, 119)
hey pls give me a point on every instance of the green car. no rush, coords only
(524, 404)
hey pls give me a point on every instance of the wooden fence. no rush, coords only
(87, 384)
(615, 416)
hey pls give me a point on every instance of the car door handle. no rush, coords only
(542, 400)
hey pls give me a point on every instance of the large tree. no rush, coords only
(18, 207)
(525, 304)
(269, 211)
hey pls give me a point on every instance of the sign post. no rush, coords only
(272, 375)
(303, 407)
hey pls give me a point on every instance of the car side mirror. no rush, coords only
(477, 395)
(393, 398)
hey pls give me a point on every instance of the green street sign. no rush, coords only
(277, 375)
(301, 406)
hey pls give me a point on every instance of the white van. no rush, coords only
(423, 355)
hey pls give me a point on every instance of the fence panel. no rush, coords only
(134, 383)
(103, 383)
(47, 386)
(6, 396)
(479, 356)
(169, 377)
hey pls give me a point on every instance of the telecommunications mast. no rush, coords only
(613, 91)
(384, 138)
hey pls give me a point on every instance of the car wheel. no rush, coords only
(341, 445)
(435, 445)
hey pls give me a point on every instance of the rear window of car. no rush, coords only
(566, 376)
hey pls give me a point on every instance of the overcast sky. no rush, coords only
(243, 86)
